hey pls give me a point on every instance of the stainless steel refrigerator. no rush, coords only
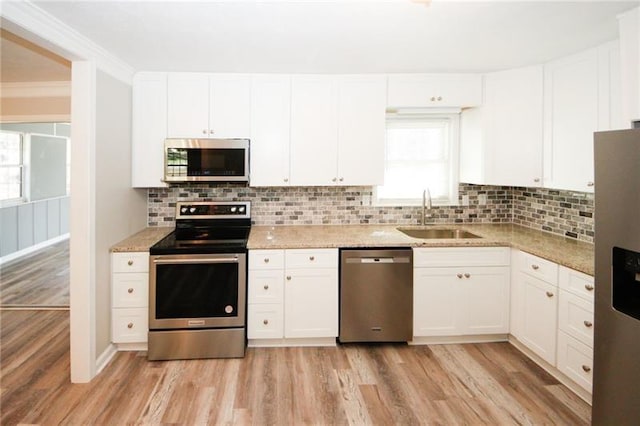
(616, 381)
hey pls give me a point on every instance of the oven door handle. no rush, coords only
(199, 260)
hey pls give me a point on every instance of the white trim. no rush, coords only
(82, 222)
(448, 340)
(45, 118)
(292, 342)
(132, 347)
(20, 253)
(26, 20)
(36, 89)
(106, 357)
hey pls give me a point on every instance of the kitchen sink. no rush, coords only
(437, 233)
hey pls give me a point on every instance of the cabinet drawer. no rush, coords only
(540, 268)
(265, 286)
(265, 321)
(266, 259)
(575, 359)
(576, 282)
(455, 256)
(130, 325)
(311, 258)
(130, 262)
(575, 317)
(130, 290)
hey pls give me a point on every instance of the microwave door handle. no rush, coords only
(199, 260)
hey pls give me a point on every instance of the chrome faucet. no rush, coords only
(426, 204)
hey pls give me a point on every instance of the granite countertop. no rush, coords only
(564, 251)
(141, 241)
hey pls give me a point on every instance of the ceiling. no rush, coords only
(339, 36)
(23, 61)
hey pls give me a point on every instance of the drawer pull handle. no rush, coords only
(266, 260)
(265, 322)
(549, 294)
(130, 325)
(535, 267)
(588, 323)
(467, 275)
(586, 368)
(266, 286)
(459, 275)
(130, 262)
(288, 277)
(588, 287)
(312, 258)
(130, 290)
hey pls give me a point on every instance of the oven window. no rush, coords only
(201, 290)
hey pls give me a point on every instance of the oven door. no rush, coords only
(197, 291)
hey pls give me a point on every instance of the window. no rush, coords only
(421, 151)
(11, 166)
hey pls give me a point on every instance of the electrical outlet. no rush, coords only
(465, 200)
(482, 199)
(366, 200)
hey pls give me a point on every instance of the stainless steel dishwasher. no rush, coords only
(376, 295)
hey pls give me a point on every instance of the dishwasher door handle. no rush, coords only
(378, 260)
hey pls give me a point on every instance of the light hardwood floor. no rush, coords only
(349, 384)
(40, 279)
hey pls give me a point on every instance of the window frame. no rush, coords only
(453, 119)
(21, 165)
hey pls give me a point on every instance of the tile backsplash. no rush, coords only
(568, 214)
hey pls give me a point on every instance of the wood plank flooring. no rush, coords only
(350, 384)
(40, 279)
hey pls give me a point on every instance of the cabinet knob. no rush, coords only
(266, 286)
(549, 294)
(588, 324)
(588, 287)
(204, 131)
(536, 180)
(130, 325)
(210, 132)
(459, 275)
(586, 368)
(312, 258)
(266, 260)
(590, 184)
(341, 179)
(130, 262)
(334, 179)
(130, 290)
(467, 275)
(439, 98)
(433, 98)
(286, 179)
(535, 267)
(265, 322)
(288, 277)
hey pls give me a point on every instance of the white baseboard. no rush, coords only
(36, 247)
(105, 357)
(280, 343)
(448, 340)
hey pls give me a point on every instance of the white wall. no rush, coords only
(120, 210)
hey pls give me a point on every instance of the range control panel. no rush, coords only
(213, 210)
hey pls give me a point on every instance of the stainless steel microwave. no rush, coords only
(206, 160)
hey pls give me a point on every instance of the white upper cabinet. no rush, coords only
(501, 141)
(629, 28)
(434, 90)
(270, 124)
(314, 130)
(209, 105)
(337, 130)
(361, 130)
(149, 128)
(578, 102)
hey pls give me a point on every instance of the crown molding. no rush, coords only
(36, 89)
(34, 24)
(35, 118)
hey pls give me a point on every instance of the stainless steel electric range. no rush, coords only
(198, 283)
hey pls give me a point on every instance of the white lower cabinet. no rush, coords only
(293, 294)
(540, 317)
(129, 297)
(461, 298)
(575, 359)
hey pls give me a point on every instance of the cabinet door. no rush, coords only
(314, 130)
(188, 105)
(230, 106)
(270, 121)
(629, 25)
(540, 317)
(434, 90)
(484, 306)
(311, 303)
(435, 302)
(149, 129)
(361, 130)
